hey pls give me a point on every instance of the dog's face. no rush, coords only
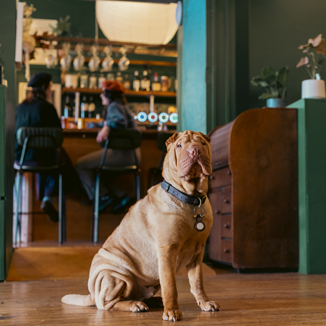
(188, 161)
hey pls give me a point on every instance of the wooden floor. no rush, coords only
(254, 299)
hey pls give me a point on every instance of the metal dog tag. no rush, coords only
(199, 224)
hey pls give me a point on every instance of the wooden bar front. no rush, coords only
(78, 143)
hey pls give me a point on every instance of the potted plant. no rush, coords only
(314, 53)
(274, 85)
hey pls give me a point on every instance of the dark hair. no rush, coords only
(37, 93)
(112, 96)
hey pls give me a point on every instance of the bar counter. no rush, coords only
(77, 143)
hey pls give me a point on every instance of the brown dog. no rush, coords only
(158, 236)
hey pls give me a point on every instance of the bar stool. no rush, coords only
(125, 139)
(38, 138)
(157, 171)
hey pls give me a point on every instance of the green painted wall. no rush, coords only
(7, 41)
(7, 121)
(277, 28)
(193, 102)
(312, 180)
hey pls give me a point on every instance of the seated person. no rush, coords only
(118, 116)
(37, 111)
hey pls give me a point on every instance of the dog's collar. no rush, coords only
(192, 200)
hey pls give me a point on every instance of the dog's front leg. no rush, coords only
(167, 267)
(195, 275)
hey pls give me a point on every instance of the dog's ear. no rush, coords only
(206, 137)
(171, 140)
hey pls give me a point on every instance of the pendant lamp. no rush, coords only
(137, 22)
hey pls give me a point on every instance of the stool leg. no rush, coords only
(17, 226)
(62, 212)
(138, 185)
(96, 208)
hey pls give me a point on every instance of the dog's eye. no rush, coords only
(179, 145)
(203, 143)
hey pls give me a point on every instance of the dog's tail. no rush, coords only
(78, 299)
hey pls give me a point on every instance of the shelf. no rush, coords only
(66, 90)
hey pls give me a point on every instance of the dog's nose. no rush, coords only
(194, 151)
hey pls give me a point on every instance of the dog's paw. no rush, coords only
(138, 306)
(209, 305)
(172, 314)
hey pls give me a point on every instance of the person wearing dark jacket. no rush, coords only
(37, 111)
(118, 116)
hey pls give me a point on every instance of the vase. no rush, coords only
(275, 103)
(313, 88)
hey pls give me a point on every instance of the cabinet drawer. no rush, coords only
(226, 250)
(226, 226)
(226, 206)
(221, 177)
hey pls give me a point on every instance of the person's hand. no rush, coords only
(103, 134)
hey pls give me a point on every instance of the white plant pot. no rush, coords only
(313, 88)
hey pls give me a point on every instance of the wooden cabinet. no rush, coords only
(254, 191)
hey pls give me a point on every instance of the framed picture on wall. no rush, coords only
(55, 98)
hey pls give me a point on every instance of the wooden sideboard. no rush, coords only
(254, 191)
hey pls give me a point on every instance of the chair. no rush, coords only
(126, 139)
(157, 171)
(38, 138)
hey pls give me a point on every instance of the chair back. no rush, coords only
(122, 139)
(161, 139)
(39, 137)
(125, 139)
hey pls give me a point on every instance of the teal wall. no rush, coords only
(277, 28)
(7, 41)
(7, 138)
(193, 106)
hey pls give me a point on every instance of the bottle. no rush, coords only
(136, 82)
(101, 79)
(91, 107)
(83, 107)
(126, 82)
(67, 109)
(119, 77)
(156, 85)
(145, 83)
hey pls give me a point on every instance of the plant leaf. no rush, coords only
(268, 73)
(282, 76)
(265, 96)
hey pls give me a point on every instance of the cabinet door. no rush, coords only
(214, 247)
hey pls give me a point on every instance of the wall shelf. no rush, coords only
(67, 90)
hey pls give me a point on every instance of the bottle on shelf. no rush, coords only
(67, 111)
(126, 82)
(119, 77)
(145, 83)
(101, 79)
(91, 107)
(136, 82)
(110, 76)
(92, 81)
(83, 107)
(156, 85)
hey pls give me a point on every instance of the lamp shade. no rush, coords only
(137, 22)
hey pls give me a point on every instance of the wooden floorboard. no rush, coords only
(254, 299)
